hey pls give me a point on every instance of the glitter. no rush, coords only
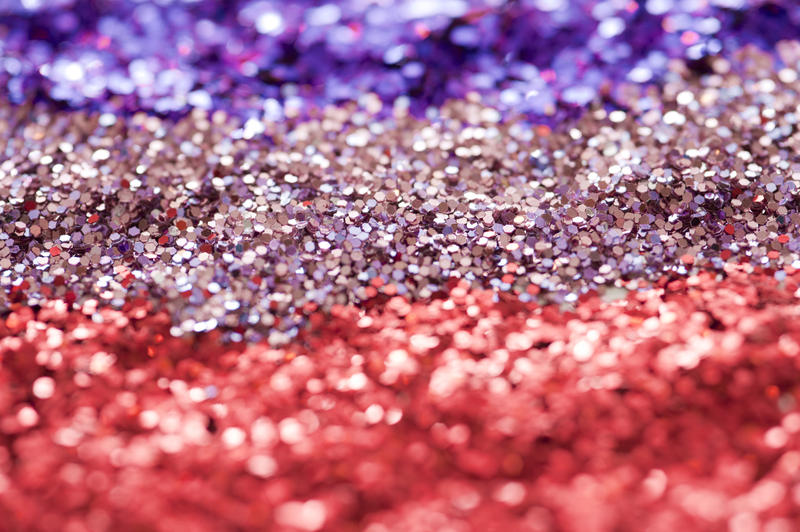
(689, 38)
(291, 431)
(308, 515)
(216, 233)
(27, 416)
(583, 351)
(685, 98)
(327, 53)
(513, 355)
(324, 15)
(44, 387)
(674, 118)
(357, 381)
(611, 27)
(616, 116)
(787, 75)
(550, 5)
(476, 283)
(360, 138)
(233, 437)
(262, 466)
(374, 413)
(578, 95)
(73, 72)
(776, 437)
(148, 419)
(269, 23)
(511, 493)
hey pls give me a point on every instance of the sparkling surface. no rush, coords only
(441, 265)
(673, 407)
(250, 225)
(535, 56)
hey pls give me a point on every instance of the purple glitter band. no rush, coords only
(534, 57)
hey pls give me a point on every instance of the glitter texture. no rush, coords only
(399, 266)
(535, 55)
(250, 224)
(462, 412)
